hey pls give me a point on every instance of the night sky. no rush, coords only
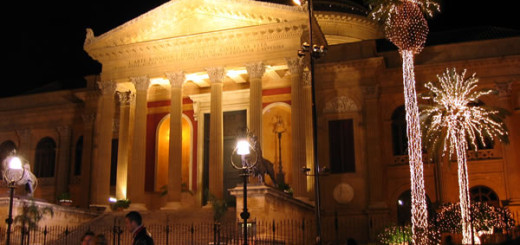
(45, 38)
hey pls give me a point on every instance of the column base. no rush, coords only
(172, 206)
(137, 207)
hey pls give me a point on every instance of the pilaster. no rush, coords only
(63, 168)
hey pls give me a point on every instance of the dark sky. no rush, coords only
(45, 38)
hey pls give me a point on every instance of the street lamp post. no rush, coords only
(12, 174)
(315, 52)
(243, 148)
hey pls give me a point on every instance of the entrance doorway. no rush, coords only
(235, 123)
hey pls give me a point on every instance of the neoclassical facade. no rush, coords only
(179, 82)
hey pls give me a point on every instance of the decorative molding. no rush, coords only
(341, 104)
(107, 87)
(176, 78)
(255, 70)
(141, 83)
(216, 74)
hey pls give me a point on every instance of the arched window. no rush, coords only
(482, 193)
(6, 148)
(45, 158)
(404, 208)
(78, 156)
(399, 138)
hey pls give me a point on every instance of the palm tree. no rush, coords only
(406, 27)
(455, 121)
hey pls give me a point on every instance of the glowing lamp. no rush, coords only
(15, 163)
(112, 199)
(243, 147)
(297, 2)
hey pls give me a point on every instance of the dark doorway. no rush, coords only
(235, 122)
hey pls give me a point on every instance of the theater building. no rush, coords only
(179, 83)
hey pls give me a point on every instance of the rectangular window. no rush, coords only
(341, 145)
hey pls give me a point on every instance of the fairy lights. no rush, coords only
(406, 27)
(452, 120)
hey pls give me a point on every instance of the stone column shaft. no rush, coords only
(89, 118)
(125, 126)
(137, 164)
(175, 148)
(298, 126)
(63, 166)
(216, 135)
(24, 148)
(255, 71)
(101, 165)
(306, 112)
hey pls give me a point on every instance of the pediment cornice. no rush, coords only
(180, 17)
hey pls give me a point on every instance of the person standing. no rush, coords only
(134, 224)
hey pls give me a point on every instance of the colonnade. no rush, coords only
(130, 183)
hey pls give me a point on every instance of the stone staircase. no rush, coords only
(153, 220)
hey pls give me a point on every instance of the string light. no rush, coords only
(486, 218)
(454, 118)
(406, 27)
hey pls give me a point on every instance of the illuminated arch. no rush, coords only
(162, 152)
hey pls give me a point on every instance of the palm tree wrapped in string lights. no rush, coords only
(456, 121)
(406, 27)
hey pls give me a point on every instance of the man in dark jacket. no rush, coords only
(134, 224)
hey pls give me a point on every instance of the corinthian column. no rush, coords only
(255, 71)
(101, 165)
(216, 137)
(63, 168)
(137, 164)
(298, 126)
(175, 148)
(125, 126)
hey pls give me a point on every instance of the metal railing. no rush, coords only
(259, 232)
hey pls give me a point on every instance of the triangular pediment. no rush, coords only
(179, 18)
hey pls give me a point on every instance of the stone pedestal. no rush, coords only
(268, 204)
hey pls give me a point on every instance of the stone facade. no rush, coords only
(164, 72)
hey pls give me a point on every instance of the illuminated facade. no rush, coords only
(180, 81)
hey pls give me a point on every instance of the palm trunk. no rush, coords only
(419, 208)
(465, 203)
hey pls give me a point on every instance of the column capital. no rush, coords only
(295, 65)
(141, 83)
(125, 97)
(89, 118)
(176, 78)
(370, 91)
(107, 87)
(307, 78)
(504, 88)
(255, 70)
(24, 134)
(63, 130)
(216, 74)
